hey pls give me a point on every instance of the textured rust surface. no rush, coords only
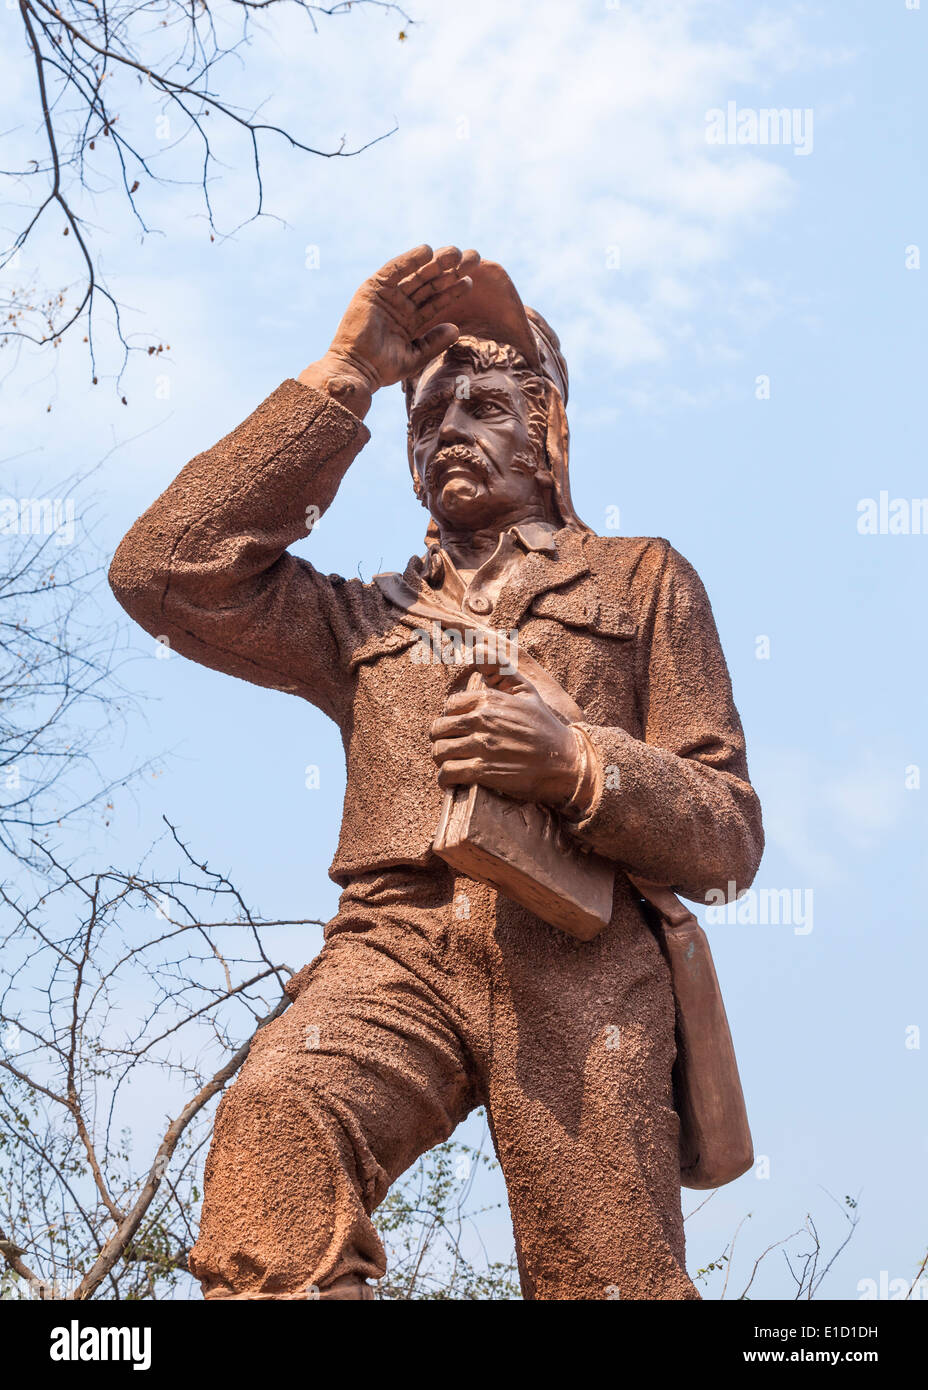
(432, 995)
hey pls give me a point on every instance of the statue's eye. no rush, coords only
(488, 408)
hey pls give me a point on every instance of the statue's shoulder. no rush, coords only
(646, 573)
(357, 608)
(641, 571)
(627, 559)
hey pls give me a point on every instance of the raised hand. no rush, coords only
(403, 316)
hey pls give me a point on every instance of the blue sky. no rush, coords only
(569, 142)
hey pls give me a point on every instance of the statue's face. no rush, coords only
(471, 446)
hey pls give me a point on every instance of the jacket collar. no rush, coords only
(539, 572)
(561, 560)
(513, 544)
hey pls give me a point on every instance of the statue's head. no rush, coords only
(477, 425)
(487, 428)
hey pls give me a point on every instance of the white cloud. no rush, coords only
(545, 134)
(553, 134)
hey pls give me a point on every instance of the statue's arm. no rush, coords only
(206, 568)
(677, 807)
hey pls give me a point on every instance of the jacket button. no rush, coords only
(479, 604)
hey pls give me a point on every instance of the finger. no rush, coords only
(432, 343)
(482, 698)
(439, 264)
(455, 726)
(492, 655)
(396, 270)
(498, 664)
(459, 749)
(507, 681)
(425, 282)
(412, 316)
(464, 700)
(444, 281)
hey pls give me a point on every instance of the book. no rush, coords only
(522, 851)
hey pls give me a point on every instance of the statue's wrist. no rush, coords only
(585, 790)
(353, 364)
(343, 380)
(566, 773)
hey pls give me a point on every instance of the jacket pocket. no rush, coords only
(583, 607)
(398, 639)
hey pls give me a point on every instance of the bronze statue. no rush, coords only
(545, 706)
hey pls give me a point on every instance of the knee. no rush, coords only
(266, 1099)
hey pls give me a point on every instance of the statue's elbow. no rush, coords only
(744, 851)
(730, 857)
(138, 582)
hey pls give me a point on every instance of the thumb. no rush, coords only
(432, 343)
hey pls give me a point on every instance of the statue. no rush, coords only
(550, 709)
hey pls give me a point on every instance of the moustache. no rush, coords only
(455, 453)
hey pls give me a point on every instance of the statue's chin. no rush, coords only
(461, 498)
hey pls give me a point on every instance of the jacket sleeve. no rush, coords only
(677, 807)
(206, 568)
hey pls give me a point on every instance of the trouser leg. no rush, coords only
(580, 1101)
(337, 1098)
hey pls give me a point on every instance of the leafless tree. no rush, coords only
(115, 987)
(61, 698)
(805, 1258)
(430, 1227)
(97, 66)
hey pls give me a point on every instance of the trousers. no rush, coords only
(433, 995)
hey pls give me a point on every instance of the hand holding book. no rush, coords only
(500, 733)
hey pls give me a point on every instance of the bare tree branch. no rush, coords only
(119, 1241)
(61, 695)
(75, 956)
(97, 67)
(921, 1270)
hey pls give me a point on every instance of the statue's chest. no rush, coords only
(404, 684)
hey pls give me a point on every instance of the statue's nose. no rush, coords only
(456, 426)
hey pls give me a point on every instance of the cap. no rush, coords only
(493, 309)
